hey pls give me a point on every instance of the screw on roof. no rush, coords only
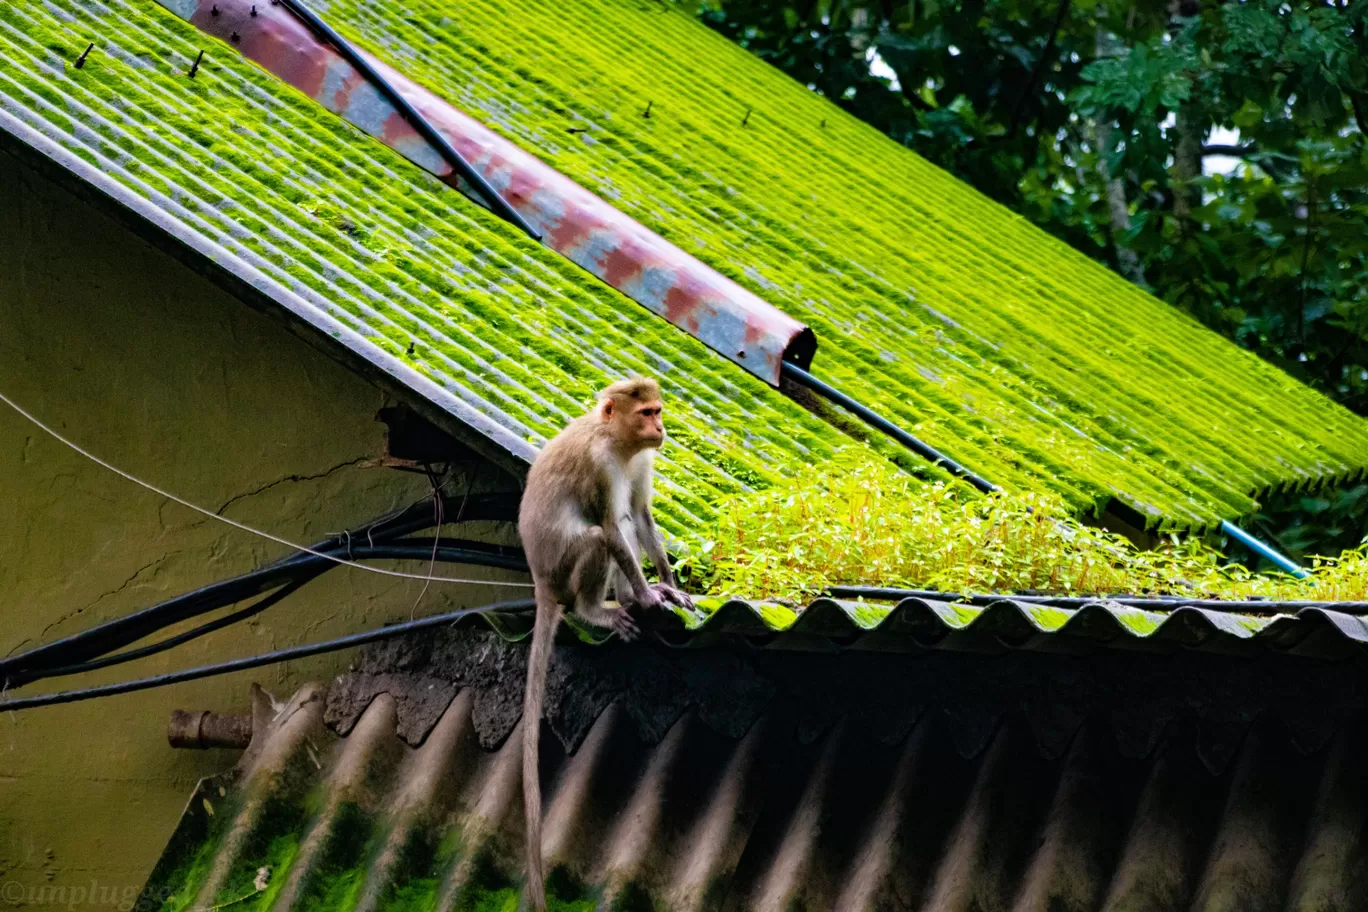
(254, 12)
(745, 120)
(647, 112)
(576, 129)
(823, 123)
(411, 347)
(214, 10)
(194, 67)
(235, 38)
(80, 61)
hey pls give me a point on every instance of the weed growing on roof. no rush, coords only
(861, 521)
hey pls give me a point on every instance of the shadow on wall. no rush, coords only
(163, 374)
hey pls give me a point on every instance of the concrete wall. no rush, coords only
(153, 368)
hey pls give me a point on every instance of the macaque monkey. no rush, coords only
(584, 521)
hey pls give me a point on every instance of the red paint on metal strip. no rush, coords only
(731, 320)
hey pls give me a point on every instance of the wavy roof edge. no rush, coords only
(918, 624)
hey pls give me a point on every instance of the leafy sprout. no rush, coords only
(862, 521)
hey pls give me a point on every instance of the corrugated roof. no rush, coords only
(1088, 788)
(915, 625)
(373, 251)
(934, 305)
(996, 343)
(919, 623)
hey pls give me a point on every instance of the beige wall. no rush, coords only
(153, 368)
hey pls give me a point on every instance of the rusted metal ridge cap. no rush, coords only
(645, 267)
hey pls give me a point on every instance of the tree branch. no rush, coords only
(1307, 243)
(1046, 54)
(1233, 151)
(1359, 102)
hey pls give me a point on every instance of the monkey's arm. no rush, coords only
(629, 564)
(654, 546)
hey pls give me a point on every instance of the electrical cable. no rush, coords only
(243, 526)
(796, 374)
(269, 658)
(123, 631)
(873, 419)
(142, 652)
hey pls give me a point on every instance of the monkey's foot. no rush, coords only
(623, 625)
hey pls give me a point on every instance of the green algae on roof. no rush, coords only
(512, 328)
(1032, 365)
(1003, 347)
(1046, 618)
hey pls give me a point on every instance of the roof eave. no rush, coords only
(304, 318)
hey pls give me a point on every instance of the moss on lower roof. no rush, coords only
(512, 327)
(998, 344)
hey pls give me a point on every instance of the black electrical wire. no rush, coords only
(130, 628)
(142, 652)
(270, 658)
(105, 638)
(415, 120)
(1159, 602)
(111, 635)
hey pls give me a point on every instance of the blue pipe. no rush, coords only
(935, 457)
(1262, 549)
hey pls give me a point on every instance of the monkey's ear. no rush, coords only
(606, 410)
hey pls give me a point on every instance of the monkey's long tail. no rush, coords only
(538, 663)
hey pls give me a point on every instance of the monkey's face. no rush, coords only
(636, 425)
(650, 423)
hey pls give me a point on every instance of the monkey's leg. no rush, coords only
(589, 582)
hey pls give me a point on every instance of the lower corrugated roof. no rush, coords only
(1004, 624)
(1026, 782)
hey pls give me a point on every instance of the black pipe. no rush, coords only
(873, 419)
(1159, 602)
(415, 120)
(270, 658)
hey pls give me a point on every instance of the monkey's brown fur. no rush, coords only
(584, 520)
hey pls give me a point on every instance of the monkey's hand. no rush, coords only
(677, 597)
(651, 600)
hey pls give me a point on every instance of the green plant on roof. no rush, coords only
(858, 520)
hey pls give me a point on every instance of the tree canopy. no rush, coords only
(1212, 151)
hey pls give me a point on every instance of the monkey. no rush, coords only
(584, 520)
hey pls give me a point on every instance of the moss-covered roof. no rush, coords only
(997, 344)
(516, 330)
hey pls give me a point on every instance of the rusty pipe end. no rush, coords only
(202, 729)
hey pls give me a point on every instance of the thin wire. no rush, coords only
(257, 661)
(243, 526)
(438, 514)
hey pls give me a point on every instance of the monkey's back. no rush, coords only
(565, 495)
